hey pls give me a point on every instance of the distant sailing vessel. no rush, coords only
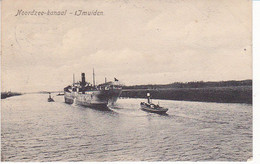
(50, 99)
(150, 107)
(85, 94)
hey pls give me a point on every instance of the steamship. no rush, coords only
(90, 95)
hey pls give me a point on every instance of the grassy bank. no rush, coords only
(9, 94)
(230, 94)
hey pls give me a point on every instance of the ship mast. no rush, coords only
(93, 77)
(73, 79)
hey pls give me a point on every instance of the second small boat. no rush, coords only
(50, 99)
(150, 107)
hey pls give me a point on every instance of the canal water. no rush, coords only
(34, 130)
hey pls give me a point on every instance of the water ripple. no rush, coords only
(35, 130)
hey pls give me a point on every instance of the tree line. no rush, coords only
(194, 84)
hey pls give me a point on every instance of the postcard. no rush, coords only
(126, 80)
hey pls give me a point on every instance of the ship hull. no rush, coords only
(69, 97)
(158, 111)
(68, 100)
(92, 98)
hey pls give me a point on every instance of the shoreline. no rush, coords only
(5, 95)
(232, 94)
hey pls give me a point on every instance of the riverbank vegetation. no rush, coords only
(9, 94)
(223, 91)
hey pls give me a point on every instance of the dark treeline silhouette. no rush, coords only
(223, 92)
(196, 84)
(9, 94)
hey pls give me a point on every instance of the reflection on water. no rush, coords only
(35, 130)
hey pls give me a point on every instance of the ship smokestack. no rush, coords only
(148, 98)
(83, 82)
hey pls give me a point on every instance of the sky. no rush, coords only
(138, 42)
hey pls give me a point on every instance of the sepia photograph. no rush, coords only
(126, 80)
